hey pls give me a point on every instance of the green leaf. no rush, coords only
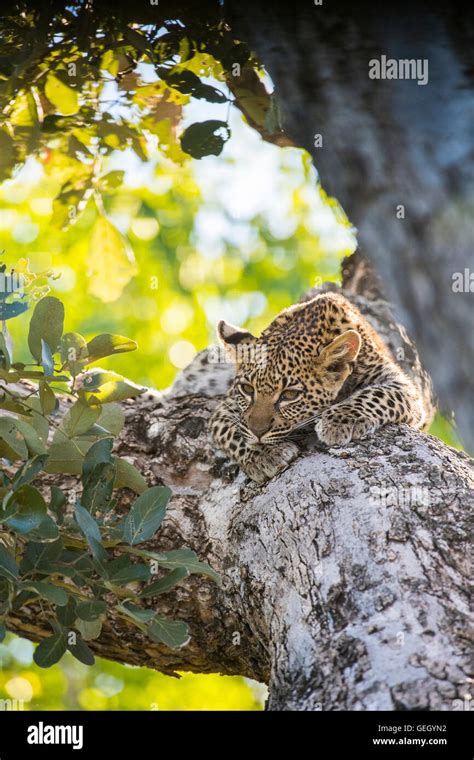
(46, 530)
(81, 651)
(8, 567)
(66, 615)
(163, 585)
(91, 530)
(211, 94)
(60, 94)
(95, 433)
(138, 40)
(48, 591)
(98, 475)
(57, 503)
(67, 456)
(99, 453)
(5, 358)
(205, 138)
(109, 251)
(89, 629)
(33, 442)
(37, 421)
(110, 63)
(39, 557)
(10, 405)
(137, 613)
(90, 610)
(128, 573)
(47, 398)
(73, 351)
(183, 558)
(27, 509)
(6, 452)
(79, 419)
(24, 597)
(107, 344)
(12, 437)
(93, 379)
(47, 361)
(112, 418)
(50, 651)
(188, 83)
(24, 113)
(127, 476)
(76, 563)
(74, 194)
(29, 470)
(47, 324)
(111, 181)
(98, 488)
(173, 633)
(146, 515)
(14, 309)
(9, 377)
(115, 391)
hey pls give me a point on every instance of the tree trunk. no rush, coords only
(344, 578)
(398, 156)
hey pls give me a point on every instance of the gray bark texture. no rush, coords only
(344, 579)
(386, 143)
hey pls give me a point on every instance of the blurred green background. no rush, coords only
(160, 258)
(110, 686)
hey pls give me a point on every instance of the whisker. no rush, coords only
(308, 421)
(229, 406)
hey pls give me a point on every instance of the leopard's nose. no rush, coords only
(259, 426)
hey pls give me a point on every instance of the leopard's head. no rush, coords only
(284, 378)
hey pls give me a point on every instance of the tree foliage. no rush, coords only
(76, 85)
(74, 552)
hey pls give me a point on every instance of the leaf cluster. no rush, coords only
(72, 553)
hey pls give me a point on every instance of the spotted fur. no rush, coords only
(318, 363)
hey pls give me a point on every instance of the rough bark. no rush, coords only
(338, 595)
(386, 143)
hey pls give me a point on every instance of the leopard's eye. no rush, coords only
(290, 395)
(246, 388)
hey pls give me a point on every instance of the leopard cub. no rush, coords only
(318, 363)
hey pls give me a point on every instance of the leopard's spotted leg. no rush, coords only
(260, 462)
(367, 410)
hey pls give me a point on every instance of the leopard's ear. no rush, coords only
(232, 338)
(342, 350)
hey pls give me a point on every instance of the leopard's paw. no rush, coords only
(263, 464)
(363, 429)
(333, 433)
(338, 429)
